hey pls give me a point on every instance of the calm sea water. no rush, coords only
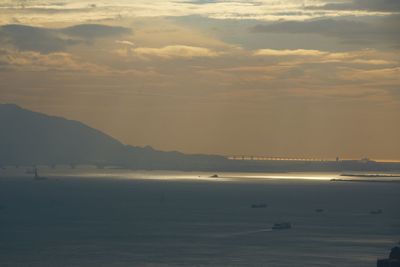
(122, 218)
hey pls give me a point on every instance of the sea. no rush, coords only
(111, 217)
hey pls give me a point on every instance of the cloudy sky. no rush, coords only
(311, 78)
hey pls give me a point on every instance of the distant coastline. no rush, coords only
(365, 181)
(371, 175)
(32, 139)
(368, 175)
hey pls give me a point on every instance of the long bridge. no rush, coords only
(269, 158)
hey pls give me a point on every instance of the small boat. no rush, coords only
(319, 210)
(259, 206)
(214, 176)
(393, 260)
(37, 177)
(30, 171)
(282, 226)
(379, 211)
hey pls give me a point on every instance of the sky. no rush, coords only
(292, 78)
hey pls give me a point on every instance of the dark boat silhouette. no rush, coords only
(37, 177)
(30, 171)
(375, 212)
(393, 260)
(282, 226)
(259, 206)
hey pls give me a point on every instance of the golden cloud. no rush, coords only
(361, 57)
(35, 61)
(281, 53)
(175, 51)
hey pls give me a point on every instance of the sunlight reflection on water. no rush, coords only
(198, 176)
(90, 217)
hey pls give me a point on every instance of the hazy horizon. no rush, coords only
(289, 78)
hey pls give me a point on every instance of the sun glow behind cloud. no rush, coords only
(44, 12)
(302, 76)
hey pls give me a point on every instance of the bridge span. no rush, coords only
(269, 158)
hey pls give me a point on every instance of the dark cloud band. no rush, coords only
(369, 5)
(46, 40)
(355, 31)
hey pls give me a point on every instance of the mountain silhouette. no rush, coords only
(31, 138)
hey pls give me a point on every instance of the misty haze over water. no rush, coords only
(269, 132)
(87, 217)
